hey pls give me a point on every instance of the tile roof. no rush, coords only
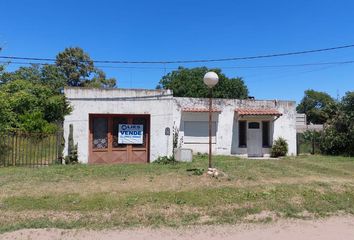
(189, 109)
(256, 112)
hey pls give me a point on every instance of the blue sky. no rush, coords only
(175, 30)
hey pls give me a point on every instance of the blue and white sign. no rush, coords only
(130, 133)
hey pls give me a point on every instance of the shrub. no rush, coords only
(279, 148)
(196, 171)
(165, 160)
(338, 134)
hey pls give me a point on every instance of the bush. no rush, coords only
(334, 142)
(196, 171)
(338, 134)
(165, 160)
(279, 148)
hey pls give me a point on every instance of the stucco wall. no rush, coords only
(120, 101)
(227, 123)
(166, 111)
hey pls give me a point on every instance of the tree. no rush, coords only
(48, 75)
(31, 106)
(314, 104)
(31, 73)
(186, 82)
(73, 67)
(79, 70)
(338, 135)
(6, 115)
(99, 80)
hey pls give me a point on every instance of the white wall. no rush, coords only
(227, 123)
(166, 111)
(157, 103)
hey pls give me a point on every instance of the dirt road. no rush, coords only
(337, 228)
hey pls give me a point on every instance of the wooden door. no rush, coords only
(104, 143)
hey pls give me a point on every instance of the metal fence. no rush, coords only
(30, 149)
(307, 146)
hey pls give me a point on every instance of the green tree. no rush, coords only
(6, 114)
(31, 106)
(31, 73)
(338, 135)
(314, 104)
(188, 82)
(48, 75)
(79, 70)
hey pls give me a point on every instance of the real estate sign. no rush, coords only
(130, 134)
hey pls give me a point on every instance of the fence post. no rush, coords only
(297, 144)
(313, 145)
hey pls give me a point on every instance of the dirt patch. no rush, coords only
(262, 217)
(327, 229)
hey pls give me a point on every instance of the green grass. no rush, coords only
(120, 196)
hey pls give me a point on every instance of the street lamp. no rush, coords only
(210, 79)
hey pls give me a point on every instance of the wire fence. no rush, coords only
(307, 146)
(30, 149)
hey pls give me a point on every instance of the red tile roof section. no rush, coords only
(256, 112)
(199, 110)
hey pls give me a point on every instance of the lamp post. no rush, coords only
(210, 79)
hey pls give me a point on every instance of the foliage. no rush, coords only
(279, 148)
(47, 75)
(6, 114)
(312, 137)
(75, 64)
(338, 137)
(196, 171)
(175, 136)
(314, 104)
(35, 122)
(73, 67)
(79, 70)
(186, 82)
(165, 160)
(31, 106)
(72, 157)
(31, 97)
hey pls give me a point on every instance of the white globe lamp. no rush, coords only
(211, 79)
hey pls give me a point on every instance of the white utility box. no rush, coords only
(183, 154)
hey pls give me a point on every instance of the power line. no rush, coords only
(193, 61)
(223, 67)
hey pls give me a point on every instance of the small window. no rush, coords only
(242, 140)
(253, 125)
(265, 134)
(198, 132)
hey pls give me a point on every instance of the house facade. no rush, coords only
(138, 126)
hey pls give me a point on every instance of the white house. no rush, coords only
(129, 125)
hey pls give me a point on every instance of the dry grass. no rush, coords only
(154, 195)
